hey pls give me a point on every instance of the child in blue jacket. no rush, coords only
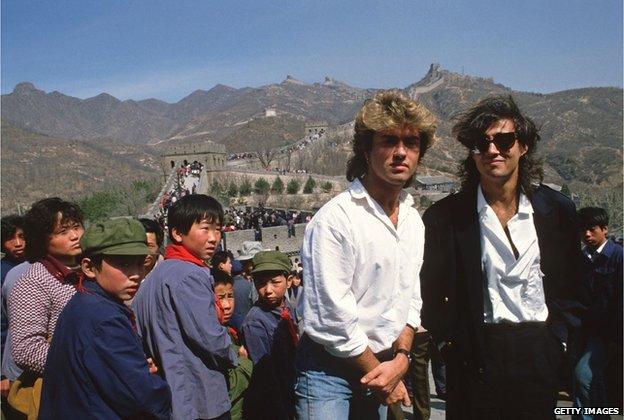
(96, 367)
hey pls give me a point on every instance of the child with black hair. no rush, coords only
(270, 337)
(96, 366)
(239, 376)
(177, 316)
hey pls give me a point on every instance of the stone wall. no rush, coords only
(211, 155)
(271, 237)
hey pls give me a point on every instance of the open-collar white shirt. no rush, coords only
(514, 290)
(361, 283)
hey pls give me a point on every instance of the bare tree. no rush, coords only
(263, 148)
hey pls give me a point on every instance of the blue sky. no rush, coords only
(167, 49)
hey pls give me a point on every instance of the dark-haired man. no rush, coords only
(501, 272)
(361, 255)
(154, 239)
(602, 327)
(176, 313)
(13, 248)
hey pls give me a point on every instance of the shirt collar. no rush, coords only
(524, 204)
(357, 190)
(92, 287)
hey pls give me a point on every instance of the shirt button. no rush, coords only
(445, 300)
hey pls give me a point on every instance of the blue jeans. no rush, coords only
(589, 375)
(326, 388)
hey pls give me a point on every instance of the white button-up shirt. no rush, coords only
(361, 283)
(514, 287)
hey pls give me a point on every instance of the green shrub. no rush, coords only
(233, 190)
(261, 186)
(215, 188)
(278, 186)
(293, 186)
(245, 187)
(308, 188)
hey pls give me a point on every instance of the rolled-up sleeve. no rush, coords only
(329, 306)
(413, 316)
(194, 304)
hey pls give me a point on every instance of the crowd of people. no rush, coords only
(492, 283)
(258, 217)
(298, 146)
(187, 179)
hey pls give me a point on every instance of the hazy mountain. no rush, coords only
(35, 166)
(581, 129)
(213, 112)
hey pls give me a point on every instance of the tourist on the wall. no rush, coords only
(96, 366)
(601, 337)
(502, 270)
(52, 229)
(362, 254)
(177, 316)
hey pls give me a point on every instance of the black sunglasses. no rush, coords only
(503, 142)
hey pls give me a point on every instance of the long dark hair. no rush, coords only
(473, 124)
(40, 221)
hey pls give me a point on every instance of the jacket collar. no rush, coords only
(608, 248)
(92, 287)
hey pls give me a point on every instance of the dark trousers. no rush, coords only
(438, 369)
(517, 380)
(419, 376)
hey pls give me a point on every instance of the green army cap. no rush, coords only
(115, 237)
(271, 261)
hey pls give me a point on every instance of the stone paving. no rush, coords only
(438, 406)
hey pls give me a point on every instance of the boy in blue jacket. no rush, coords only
(177, 315)
(270, 336)
(96, 367)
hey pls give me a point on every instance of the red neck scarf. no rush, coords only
(179, 252)
(285, 315)
(62, 273)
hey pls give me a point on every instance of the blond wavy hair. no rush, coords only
(386, 111)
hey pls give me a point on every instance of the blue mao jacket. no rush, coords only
(96, 367)
(604, 287)
(177, 320)
(271, 348)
